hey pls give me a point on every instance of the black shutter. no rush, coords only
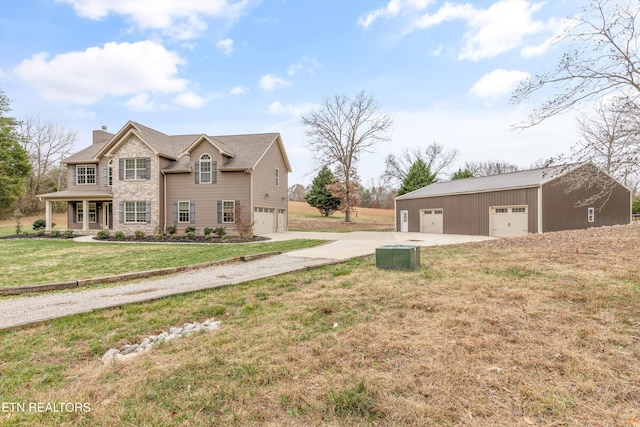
(175, 213)
(147, 170)
(197, 169)
(73, 175)
(214, 172)
(97, 171)
(148, 212)
(235, 210)
(121, 169)
(121, 212)
(219, 211)
(192, 212)
(74, 214)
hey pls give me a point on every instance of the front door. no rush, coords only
(404, 221)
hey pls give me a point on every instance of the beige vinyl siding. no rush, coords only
(469, 213)
(264, 180)
(228, 186)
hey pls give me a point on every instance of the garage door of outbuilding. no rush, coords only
(265, 220)
(509, 221)
(431, 221)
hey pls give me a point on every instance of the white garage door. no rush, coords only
(509, 221)
(431, 221)
(282, 221)
(264, 220)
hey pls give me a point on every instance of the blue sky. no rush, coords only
(443, 70)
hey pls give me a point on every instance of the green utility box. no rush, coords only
(398, 257)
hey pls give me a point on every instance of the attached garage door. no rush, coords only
(282, 221)
(431, 221)
(264, 220)
(509, 221)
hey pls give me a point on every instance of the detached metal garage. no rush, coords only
(515, 204)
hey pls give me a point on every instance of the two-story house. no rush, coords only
(142, 179)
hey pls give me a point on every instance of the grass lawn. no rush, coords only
(303, 217)
(34, 261)
(535, 331)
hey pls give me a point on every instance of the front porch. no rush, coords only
(86, 211)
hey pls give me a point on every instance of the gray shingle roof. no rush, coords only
(246, 150)
(505, 181)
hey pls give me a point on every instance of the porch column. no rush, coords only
(85, 215)
(47, 215)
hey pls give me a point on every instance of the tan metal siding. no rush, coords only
(229, 186)
(469, 213)
(559, 211)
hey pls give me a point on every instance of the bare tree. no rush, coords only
(297, 192)
(490, 167)
(611, 140)
(602, 60)
(437, 159)
(340, 130)
(47, 144)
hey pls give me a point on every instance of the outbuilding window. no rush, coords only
(591, 215)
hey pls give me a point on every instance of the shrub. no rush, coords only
(172, 229)
(190, 235)
(207, 231)
(138, 234)
(103, 234)
(39, 224)
(159, 236)
(25, 233)
(55, 233)
(68, 234)
(119, 235)
(174, 236)
(190, 230)
(207, 237)
(40, 232)
(220, 232)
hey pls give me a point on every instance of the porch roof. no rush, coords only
(93, 195)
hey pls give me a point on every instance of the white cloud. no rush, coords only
(141, 103)
(501, 27)
(189, 100)
(239, 90)
(294, 110)
(178, 19)
(270, 82)
(225, 46)
(307, 64)
(117, 69)
(497, 83)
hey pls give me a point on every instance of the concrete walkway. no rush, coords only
(17, 311)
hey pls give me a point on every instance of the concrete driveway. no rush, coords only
(23, 310)
(343, 246)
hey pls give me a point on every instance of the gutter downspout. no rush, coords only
(540, 230)
(164, 201)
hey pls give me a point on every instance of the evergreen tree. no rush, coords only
(419, 176)
(14, 161)
(462, 173)
(320, 197)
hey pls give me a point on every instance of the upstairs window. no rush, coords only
(205, 169)
(135, 168)
(85, 174)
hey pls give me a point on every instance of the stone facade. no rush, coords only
(145, 190)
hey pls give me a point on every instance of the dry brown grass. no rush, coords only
(542, 330)
(303, 217)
